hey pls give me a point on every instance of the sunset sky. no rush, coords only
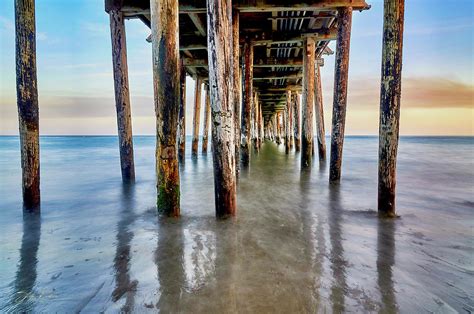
(75, 80)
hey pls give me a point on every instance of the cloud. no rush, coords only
(417, 92)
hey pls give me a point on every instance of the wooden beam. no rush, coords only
(293, 37)
(319, 112)
(219, 37)
(247, 103)
(258, 63)
(166, 81)
(27, 102)
(201, 28)
(308, 103)
(390, 93)
(341, 73)
(207, 112)
(122, 95)
(182, 114)
(296, 126)
(197, 115)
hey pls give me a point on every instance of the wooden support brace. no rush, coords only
(219, 39)
(344, 20)
(390, 104)
(166, 83)
(122, 95)
(27, 102)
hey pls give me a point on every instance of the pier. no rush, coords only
(259, 65)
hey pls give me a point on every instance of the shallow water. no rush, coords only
(296, 245)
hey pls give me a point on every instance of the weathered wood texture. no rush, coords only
(122, 94)
(340, 92)
(261, 126)
(166, 83)
(237, 85)
(247, 103)
(319, 112)
(296, 127)
(182, 114)
(308, 103)
(255, 122)
(390, 93)
(219, 40)
(27, 102)
(287, 122)
(289, 106)
(207, 113)
(196, 116)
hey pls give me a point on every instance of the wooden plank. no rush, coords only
(219, 17)
(196, 116)
(166, 84)
(308, 103)
(27, 102)
(390, 92)
(122, 95)
(319, 112)
(341, 73)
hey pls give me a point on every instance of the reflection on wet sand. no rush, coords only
(338, 263)
(123, 283)
(385, 263)
(23, 294)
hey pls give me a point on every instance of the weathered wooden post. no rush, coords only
(166, 83)
(390, 104)
(247, 103)
(255, 115)
(122, 95)
(197, 116)
(319, 112)
(237, 85)
(219, 39)
(296, 128)
(27, 102)
(289, 106)
(287, 122)
(182, 115)
(207, 112)
(344, 20)
(261, 126)
(308, 102)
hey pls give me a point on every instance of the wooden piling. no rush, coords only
(197, 116)
(390, 104)
(308, 102)
(319, 112)
(237, 85)
(344, 21)
(287, 122)
(219, 39)
(182, 115)
(166, 83)
(289, 106)
(27, 102)
(122, 95)
(261, 126)
(207, 112)
(255, 122)
(247, 103)
(296, 127)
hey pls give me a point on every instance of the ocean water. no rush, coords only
(296, 245)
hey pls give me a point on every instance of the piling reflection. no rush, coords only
(23, 298)
(385, 262)
(169, 259)
(338, 263)
(124, 286)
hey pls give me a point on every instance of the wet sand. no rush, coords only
(296, 245)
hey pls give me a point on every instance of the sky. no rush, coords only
(75, 80)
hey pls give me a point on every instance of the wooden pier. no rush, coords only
(256, 59)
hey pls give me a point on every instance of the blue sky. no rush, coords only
(76, 85)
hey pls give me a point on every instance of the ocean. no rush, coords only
(297, 243)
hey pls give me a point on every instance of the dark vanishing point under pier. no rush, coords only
(257, 215)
